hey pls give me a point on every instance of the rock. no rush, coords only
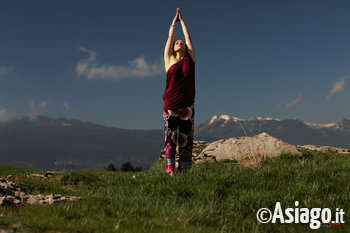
(324, 148)
(14, 228)
(17, 193)
(16, 201)
(9, 200)
(11, 194)
(198, 143)
(1, 200)
(8, 231)
(47, 174)
(241, 147)
(57, 196)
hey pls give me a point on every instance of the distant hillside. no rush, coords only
(57, 143)
(292, 131)
(50, 143)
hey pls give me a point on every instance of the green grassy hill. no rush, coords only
(212, 197)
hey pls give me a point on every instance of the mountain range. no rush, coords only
(57, 143)
(62, 143)
(293, 131)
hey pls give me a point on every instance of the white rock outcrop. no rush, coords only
(11, 194)
(242, 147)
(324, 148)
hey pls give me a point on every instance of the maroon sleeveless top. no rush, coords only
(180, 84)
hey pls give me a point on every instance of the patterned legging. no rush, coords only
(178, 129)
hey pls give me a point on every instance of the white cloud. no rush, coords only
(4, 70)
(138, 67)
(290, 103)
(5, 115)
(32, 116)
(43, 104)
(293, 102)
(338, 86)
(66, 107)
(280, 103)
(37, 108)
(40, 105)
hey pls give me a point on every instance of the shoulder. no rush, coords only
(171, 60)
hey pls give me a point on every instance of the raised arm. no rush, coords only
(169, 50)
(189, 42)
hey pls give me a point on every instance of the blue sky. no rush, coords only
(101, 61)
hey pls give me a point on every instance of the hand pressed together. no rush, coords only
(178, 17)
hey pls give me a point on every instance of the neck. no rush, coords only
(180, 55)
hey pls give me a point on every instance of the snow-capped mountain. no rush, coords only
(293, 131)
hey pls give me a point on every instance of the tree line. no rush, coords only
(125, 167)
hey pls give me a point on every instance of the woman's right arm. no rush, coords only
(168, 51)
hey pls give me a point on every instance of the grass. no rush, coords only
(212, 197)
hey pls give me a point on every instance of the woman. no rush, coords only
(179, 95)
